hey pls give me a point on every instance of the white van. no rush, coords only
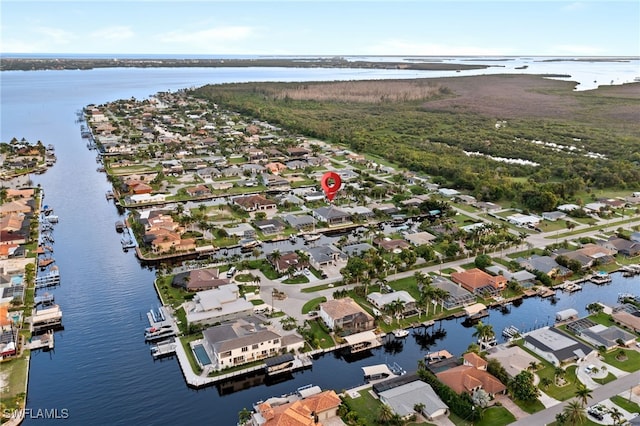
(231, 272)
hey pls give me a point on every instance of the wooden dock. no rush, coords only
(44, 342)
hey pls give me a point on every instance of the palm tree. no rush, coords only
(558, 372)
(441, 295)
(575, 413)
(385, 414)
(484, 333)
(426, 295)
(545, 382)
(616, 416)
(533, 366)
(583, 393)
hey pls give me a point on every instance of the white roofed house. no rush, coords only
(217, 305)
(382, 300)
(404, 393)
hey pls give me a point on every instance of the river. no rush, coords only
(101, 370)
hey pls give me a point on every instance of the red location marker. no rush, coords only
(331, 184)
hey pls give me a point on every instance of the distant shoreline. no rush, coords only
(38, 64)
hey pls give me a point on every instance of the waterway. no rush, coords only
(101, 370)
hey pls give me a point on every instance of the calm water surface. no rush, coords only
(101, 370)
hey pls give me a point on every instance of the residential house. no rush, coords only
(317, 409)
(331, 215)
(627, 316)
(524, 220)
(390, 245)
(198, 191)
(554, 216)
(200, 279)
(544, 264)
(275, 182)
(405, 393)
(327, 255)
(513, 359)
(357, 249)
(524, 278)
(270, 226)
(253, 169)
(458, 296)
(420, 238)
(313, 196)
(468, 379)
(477, 281)
(287, 260)
(16, 206)
(600, 335)
(298, 152)
(165, 241)
(300, 221)
(275, 168)
(474, 360)
(217, 305)
(622, 246)
(346, 315)
(296, 164)
(383, 300)
(244, 340)
(555, 346)
(254, 202)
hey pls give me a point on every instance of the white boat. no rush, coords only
(311, 237)
(510, 332)
(400, 333)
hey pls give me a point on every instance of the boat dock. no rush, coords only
(45, 299)
(44, 341)
(50, 279)
(630, 270)
(163, 349)
(46, 319)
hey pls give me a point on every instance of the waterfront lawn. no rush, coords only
(630, 364)
(187, 348)
(625, 404)
(15, 380)
(312, 304)
(320, 338)
(602, 318)
(170, 295)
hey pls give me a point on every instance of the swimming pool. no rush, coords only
(201, 355)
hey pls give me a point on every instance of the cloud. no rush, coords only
(117, 33)
(402, 47)
(52, 35)
(212, 35)
(573, 6)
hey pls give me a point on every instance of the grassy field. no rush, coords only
(15, 374)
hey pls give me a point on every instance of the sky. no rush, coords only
(310, 27)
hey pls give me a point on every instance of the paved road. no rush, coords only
(616, 387)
